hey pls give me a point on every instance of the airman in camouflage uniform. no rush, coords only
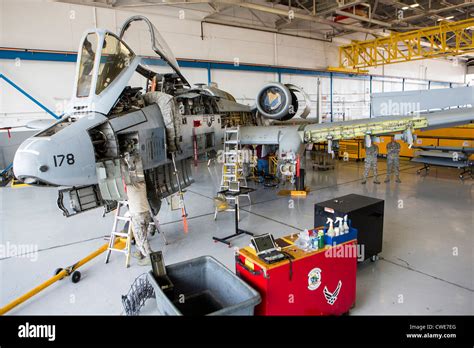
(393, 160)
(371, 153)
(139, 209)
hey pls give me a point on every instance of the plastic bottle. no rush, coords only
(340, 228)
(314, 242)
(330, 232)
(320, 239)
(346, 225)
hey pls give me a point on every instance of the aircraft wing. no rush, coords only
(385, 125)
(292, 137)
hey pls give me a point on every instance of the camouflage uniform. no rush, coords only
(139, 209)
(393, 160)
(371, 162)
(140, 224)
(171, 116)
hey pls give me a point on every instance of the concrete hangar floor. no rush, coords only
(426, 266)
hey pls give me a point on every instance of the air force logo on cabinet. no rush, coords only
(331, 297)
(314, 279)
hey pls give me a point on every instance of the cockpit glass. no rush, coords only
(164, 50)
(115, 58)
(86, 65)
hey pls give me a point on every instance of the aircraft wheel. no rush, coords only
(374, 258)
(76, 277)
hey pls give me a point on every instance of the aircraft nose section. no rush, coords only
(62, 155)
(30, 163)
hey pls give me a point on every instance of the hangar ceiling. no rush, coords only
(340, 20)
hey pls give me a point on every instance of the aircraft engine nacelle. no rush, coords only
(282, 102)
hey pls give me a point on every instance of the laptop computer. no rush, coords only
(266, 248)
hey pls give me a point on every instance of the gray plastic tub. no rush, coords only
(204, 286)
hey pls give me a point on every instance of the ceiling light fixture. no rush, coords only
(414, 5)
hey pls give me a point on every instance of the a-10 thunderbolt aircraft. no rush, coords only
(113, 133)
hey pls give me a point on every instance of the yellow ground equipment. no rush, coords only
(17, 183)
(352, 149)
(298, 193)
(59, 274)
(294, 193)
(460, 136)
(272, 165)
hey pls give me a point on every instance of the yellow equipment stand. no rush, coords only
(298, 193)
(60, 274)
(16, 183)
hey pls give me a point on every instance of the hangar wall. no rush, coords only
(55, 26)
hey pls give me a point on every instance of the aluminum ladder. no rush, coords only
(119, 234)
(232, 170)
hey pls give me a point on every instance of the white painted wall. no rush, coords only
(429, 69)
(470, 79)
(42, 24)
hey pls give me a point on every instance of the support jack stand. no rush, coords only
(237, 233)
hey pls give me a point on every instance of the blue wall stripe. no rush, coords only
(26, 94)
(72, 57)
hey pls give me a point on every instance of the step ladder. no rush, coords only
(232, 170)
(118, 234)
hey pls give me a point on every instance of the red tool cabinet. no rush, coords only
(322, 282)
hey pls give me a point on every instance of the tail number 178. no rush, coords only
(59, 159)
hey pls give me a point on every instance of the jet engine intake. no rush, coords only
(282, 102)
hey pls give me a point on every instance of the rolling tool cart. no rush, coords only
(366, 215)
(321, 282)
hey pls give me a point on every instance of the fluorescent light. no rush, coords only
(405, 8)
(414, 5)
(445, 19)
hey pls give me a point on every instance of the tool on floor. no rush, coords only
(184, 214)
(59, 274)
(119, 234)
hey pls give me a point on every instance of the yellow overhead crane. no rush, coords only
(425, 43)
